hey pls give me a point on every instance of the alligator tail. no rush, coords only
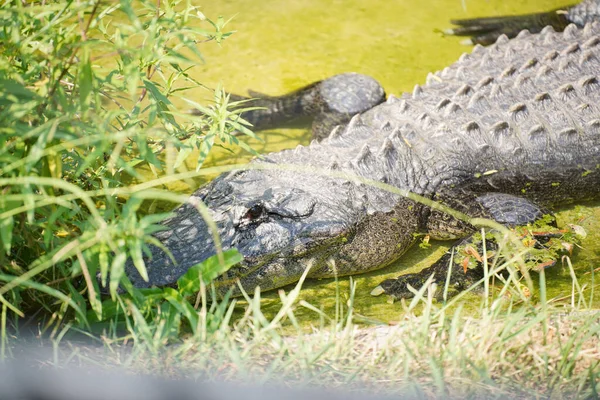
(486, 30)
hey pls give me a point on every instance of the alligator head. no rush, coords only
(280, 221)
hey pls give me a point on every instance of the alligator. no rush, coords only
(506, 132)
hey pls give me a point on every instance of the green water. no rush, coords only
(281, 45)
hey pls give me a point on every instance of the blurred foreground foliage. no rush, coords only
(86, 90)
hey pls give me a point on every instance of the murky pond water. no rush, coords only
(281, 45)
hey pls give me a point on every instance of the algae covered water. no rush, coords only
(282, 45)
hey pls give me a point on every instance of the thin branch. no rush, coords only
(72, 58)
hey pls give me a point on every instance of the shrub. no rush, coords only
(86, 100)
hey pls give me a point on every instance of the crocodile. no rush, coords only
(506, 132)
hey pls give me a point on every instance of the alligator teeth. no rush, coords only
(459, 73)
(397, 134)
(526, 48)
(510, 52)
(587, 30)
(314, 143)
(425, 119)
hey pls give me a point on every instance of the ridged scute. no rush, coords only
(591, 42)
(589, 84)
(517, 107)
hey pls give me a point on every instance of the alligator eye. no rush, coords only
(254, 212)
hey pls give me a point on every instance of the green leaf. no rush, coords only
(182, 305)
(85, 79)
(207, 270)
(6, 228)
(117, 269)
(155, 92)
(103, 262)
(138, 261)
(183, 154)
(205, 147)
(170, 317)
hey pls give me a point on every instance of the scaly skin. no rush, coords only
(503, 131)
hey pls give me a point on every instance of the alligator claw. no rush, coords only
(378, 291)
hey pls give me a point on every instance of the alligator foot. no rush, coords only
(535, 230)
(486, 31)
(330, 102)
(462, 266)
(449, 267)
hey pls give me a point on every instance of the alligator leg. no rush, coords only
(486, 31)
(505, 209)
(330, 102)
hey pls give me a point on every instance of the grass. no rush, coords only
(510, 346)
